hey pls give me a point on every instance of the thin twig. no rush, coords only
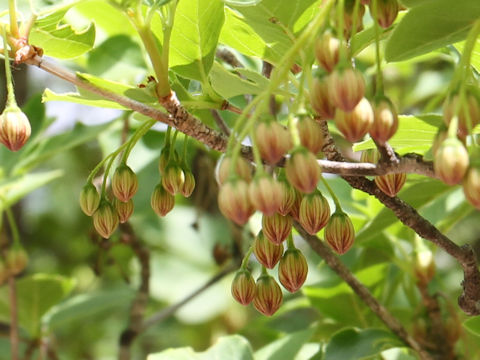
(229, 58)
(12, 293)
(222, 125)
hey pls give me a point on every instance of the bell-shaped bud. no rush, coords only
(287, 198)
(105, 219)
(302, 170)
(451, 161)
(295, 210)
(267, 253)
(391, 184)
(162, 201)
(16, 259)
(124, 183)
(314, 212)
(468, 113)
(471, 185)
(265, 194)
(188, 184)
(292, 270)
(385, 120)
(89, 199)
(234, 202)
(173, 178)
(327, 50)
(273, 141)
(348, 16)
(321, 99)
(339, 233)
(310, 134)
(276, 227)
(124, 209)
(268, 295)
(243, 287)
(243, 169)
(15, 128)
(164, 159)
(355, 124)
(347, 88)
(386, 12)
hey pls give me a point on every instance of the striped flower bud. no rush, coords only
(267, 253)
(273, 141)
(15, 128)
(268, 295)
(327, 50)
(348, 16)
(234, 202)
(314, 212)
(386, 12)
(162, 201)
(292, 270)
(320, 98)
(16, 259)
(276, 227)
(355, 124)
(468, 113)
(173, 178)
(287, 198)
(391, 184)
(385, 120)
(471, 185)
(451, 161)
(89, 199)
(105, 219)
(124, 183)
(243, 169)
(124, 209)
(189, 183)
(302, 170)
(347, 88)
(339, 233)
(310, 134)
(265, 194)
(243, 287)
(295, 210)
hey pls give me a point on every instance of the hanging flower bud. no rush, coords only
(339, 233)
(124, 183)
(162, 201)
(451, 161)
(233, 201)
(348, 18)
(327, 50)
(295, 210)
(468, 114)
(265, 194)
(471, 185)
(385, 120)
(243, 169)
(188, 184)
(386, 12)
(89, 199)
(243, 287)
(164, 159)
(268, 295)
(276, 227)
(314, 212)
(292, 270)
(310, 134)
(347, 88)
(287, 198)
(354, 125)
(105, 219)
(15, 128)
(303, 170)
(173, 178)
(273, 141)
(320, 98)
(391, 184)
(16, 259)
(124, 209)
(267, 253)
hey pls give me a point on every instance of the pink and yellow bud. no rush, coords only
(243, 287)
(471, 185)
(268, 295)
(265, 194)
(347, 88)
(320, 98)
(348, 18)
(105, 219)
(273, 141)
(385, 121)
(339, 233)
(162, 201)
(314, 212)
(468, 113)
(302, 170)
(451, 161)
(89, 199)
(386, 12)
(295, 210)
(124, 209)
(267, 253)
(292, 270)
(243, 169)
(276, 227)
(234, 202)
(124, 183)
(354, 125)
(327, 50)
(15, 128)
(310, 134)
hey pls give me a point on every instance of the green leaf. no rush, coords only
(353, 344)
(473, 325)
(89, 99)
(233, 347)
(286, 347)
(194, 37)
(242, 2)
(412, 3)
(429, 26)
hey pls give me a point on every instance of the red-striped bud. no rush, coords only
(265, 194)
(234, 202)
(355, 124)
(385, 121)
(188, 184)
(243, 287)
(288, 198)
(292, 270)
(391, 184)
(314, 212)
(327, 49)
(15, 128)
(124, 209)
(339, 233)
(321, 99)
(347, 88)
(276, 227)
(295, 210)
(310, 134)
(268, 295)
(162, 201)
(451, 161)
(302, 170)
(273, 141)
(173, 178)
(89, 199)
(124, 183)
(348, 18)
(105, 219)
(471, 185)
(243, 169)
(386, 12)
(267, 253)
(468, 113)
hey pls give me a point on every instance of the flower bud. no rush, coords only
(265, 194)
(287, 198)
(468, 114)
(386, 12)
(233, 201)
(303, 170)
(243, 169)
(173, 178)
(320, 98)
(295, 210)
(385, 120)
(15, 128)
(354, 125)
(89, 199)
(347, 88)
(273, 141)
(314, 212)
(267, 253)
(292, 270)
(124, 209)
(188, 184)
(105, 219)
(451, 161)
(471, 185)
(310, 134)
(162, 201)
(391, 184)
(339, 233)
(16, 259)
(124, 183)
(348, 18)
(243, 287)
(276, 227)
(268, 295)
(327, 49)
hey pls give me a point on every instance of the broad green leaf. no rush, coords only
(353, 344)
(242, 2)
(286, 347)
(475, 59)
(194, 37)
(414, 134)
(89, 99)
(429, 26)
(233, 347)
(473, 325)
(44, 6)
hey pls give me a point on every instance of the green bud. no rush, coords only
(339, 233)
(105, 219)
(124, 209)
(268, 295)
(162, 202)
(124, 183)
(89, 199)
(173, 178)
(243, 287)
(314, 212)
(188, 184)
